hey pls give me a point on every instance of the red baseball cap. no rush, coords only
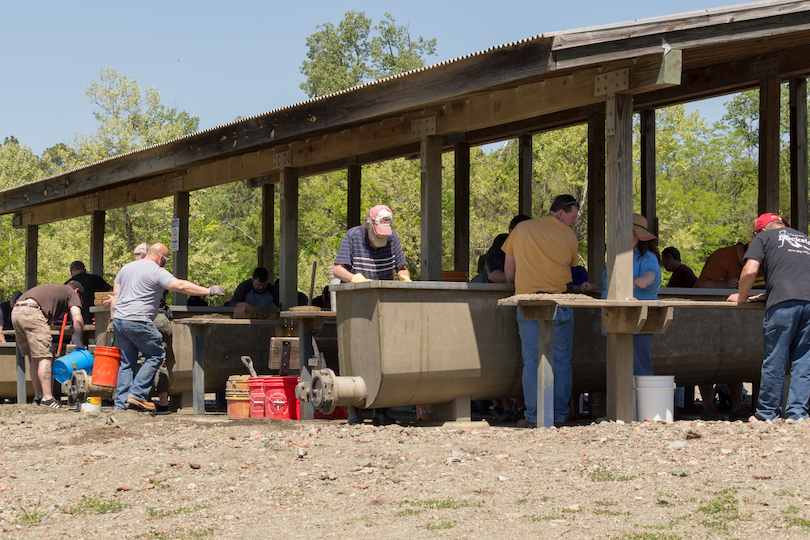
(767, 218)
(382, 217)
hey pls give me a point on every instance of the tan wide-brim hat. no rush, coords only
(640, 228)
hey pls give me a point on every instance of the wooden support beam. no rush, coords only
(525, 174)
(769, 101)
(596, 196)
(720, 76)
(31, 255)
(267, 252)
(557, 93)
(619, 207)
(658, 320)
(180, 257)
(623, 320)
(798, 155)
(354, 212)
(431, 195)
(96, 263)
(461, 187)
(648, 169)
(619, 202)
(544, 315)
(619, 377)
(288, 238)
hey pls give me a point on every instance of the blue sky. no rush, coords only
(219, 60)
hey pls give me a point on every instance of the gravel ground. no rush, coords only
(71, 475)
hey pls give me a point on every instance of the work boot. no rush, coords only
(355, 415)
(381, 418)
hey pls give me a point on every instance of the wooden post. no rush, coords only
(97, 242)
(198, 333)
(354, 212)
(648, 169)
(305, 352)
(596, 196)
(525, 174)
(431, 187)
(267, 258)
(288, 238)
(31, 256)
(798, 154)
(769, 145)
(180, 257)
(619, 207)
(461, 238)
(22, 395)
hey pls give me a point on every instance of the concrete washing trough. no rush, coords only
(448, 343)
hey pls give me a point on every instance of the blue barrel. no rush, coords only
(63, 367)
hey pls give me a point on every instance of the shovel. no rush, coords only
(249, 364)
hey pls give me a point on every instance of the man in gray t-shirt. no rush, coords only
(134, 304)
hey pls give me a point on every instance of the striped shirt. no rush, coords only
(358, 256)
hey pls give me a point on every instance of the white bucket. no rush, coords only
(655, 397)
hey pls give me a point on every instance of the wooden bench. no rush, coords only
(619, 318)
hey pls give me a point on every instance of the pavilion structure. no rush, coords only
(600, 76)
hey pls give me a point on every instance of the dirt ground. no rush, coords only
(72, 475)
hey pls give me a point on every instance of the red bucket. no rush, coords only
(105, 366)
(257, 398)
(280, 402)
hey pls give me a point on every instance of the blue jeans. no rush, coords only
(786, 339)
(131, 337)
(642, 354)
(563, 374)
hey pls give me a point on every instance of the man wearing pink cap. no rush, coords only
(371, 251)
(783, 256)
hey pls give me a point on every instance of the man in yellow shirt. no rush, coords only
(539, 256)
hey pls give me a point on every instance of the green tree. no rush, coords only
(706, 185)
(129, 118)
(342, 57)
(18, 165)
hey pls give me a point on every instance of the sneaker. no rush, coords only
(739, 414)
(162, 409)
(52, 403)
(37, 400)
(524, 423)
(381, 418)
(144, 405)
(518, 415)
(711, 414)
(502, 417)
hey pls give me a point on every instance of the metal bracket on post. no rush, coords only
(608, 84)
(175, 184)
(763, 68)
(423, 127)
(282, 159)
(284, 368)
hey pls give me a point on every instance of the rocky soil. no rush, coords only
(71, 475)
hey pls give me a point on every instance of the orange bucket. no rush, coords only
(105, 366)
